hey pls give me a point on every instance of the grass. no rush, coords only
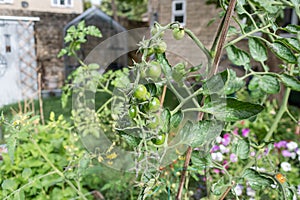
(51, 104)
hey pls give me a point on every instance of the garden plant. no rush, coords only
(170, 132)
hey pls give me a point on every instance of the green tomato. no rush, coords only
(153, 123)
(154, 70)
(178, 72)
(161, 47)
(159, 140)
(178, 33)
(150, 51)
(140, 92)
(132, 112)
(154, 104)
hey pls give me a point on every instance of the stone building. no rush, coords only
(32, 34)
(192, 14)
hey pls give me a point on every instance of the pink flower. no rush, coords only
(245, 132)
(286, 153)
(226, 139)
(217, 171)
(236, 131)
(215, 148)
(233, 158)
(280, 144)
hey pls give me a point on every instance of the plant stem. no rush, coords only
(220, 39)
(57, 170)
(246, 35)
(279, 115)
(198, 43)
(29, 183)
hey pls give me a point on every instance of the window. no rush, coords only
(7, 43)
(6, 1)
(62, 3)
(178, 11)
(290, 17)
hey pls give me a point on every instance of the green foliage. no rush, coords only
(132, 9)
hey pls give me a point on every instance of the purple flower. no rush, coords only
(252, 153)
(280, 144)
(245, 132)
(226, 139)
(215, 148)
(298, 190)
(236, 131)
(233, 157)
(286, 153)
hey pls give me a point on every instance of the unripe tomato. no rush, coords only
(150, 51)
(154, 70)
(154, 122)
(140, 92)
(178, 33)
(132, 112)
(161, 47)
(178, 72)
(154, 104)
(159, 140)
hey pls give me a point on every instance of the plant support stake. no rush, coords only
(220, 41)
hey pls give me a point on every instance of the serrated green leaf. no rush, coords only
(219, 187)
(243, 149)
(231, 109)
(290, 82)
(26, 173)
(238, 56)
(19, 195)
(233, 84)
(165, 120)
(216, 83)
(131, 140)
(201, 163)
(292, 43)
(257, 50)
(198, 134)
(176, 119)
(283, 52)
(255, 180)
(166, 67)
(292, 28)
(264, 84)
(11, 146)
(9, 184)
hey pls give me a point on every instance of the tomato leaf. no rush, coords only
(292, 28)
(198, 134)
(257, 50)
(255, 180)
(176, 119)
(290, 82)
(242, 149)
(216, 83)
(238, 56)
(283, 52)
(165, 120)
(231, 109)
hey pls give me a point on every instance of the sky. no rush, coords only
(96, 2)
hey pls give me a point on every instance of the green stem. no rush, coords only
(246, 35)
(57, 170)
(279, 115)
(198, 43)
(29, 183)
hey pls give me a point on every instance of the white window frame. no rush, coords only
(58, 3)
(6, 1)
(179, 12)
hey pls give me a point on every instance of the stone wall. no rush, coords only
(49, 41)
